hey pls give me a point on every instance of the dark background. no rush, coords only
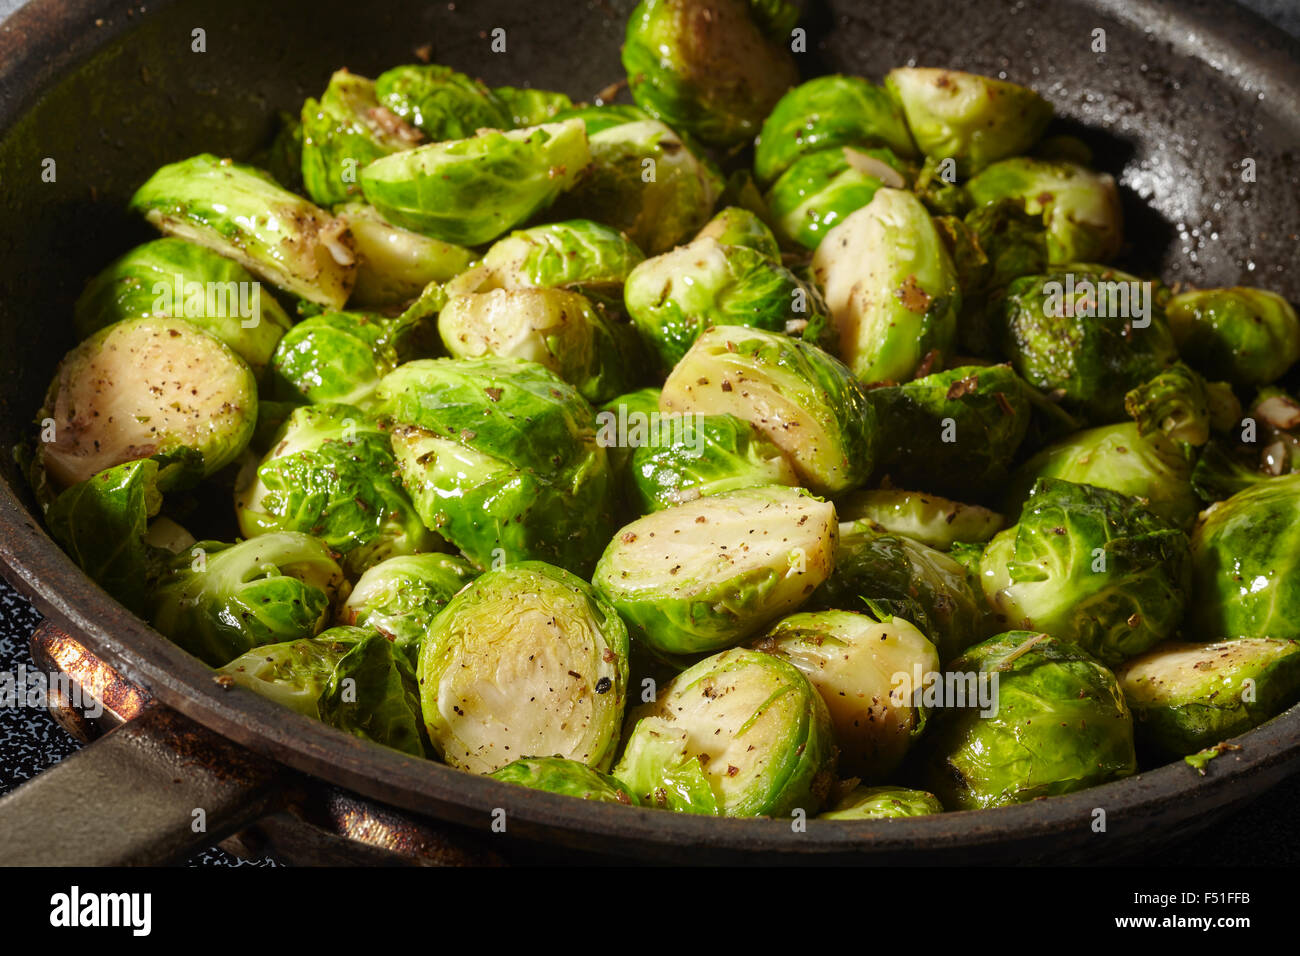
(1265, 833)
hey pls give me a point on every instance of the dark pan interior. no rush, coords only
(1184, 94)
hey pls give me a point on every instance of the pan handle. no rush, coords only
(152, 791)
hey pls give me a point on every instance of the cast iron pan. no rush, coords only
(1185, 92)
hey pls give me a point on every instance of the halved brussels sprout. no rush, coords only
(644, 180)
(578, 254)
(103, 525)
(737, 226)
(1081, 207)
(1186, 697)
(881, 803)
(972, 119)
(244, 214)
(870, 674)
(346, 677)
(1090, 566)
(891, 288)
(442, 103)
(331, 474)
(525, 661)
(470, 191)
(952, 432)
(674, 297)
(219, 600)
(740, 734)
(339, 357)
(501, 458)
(705, 67)
(531, 107)
(1247, 336)
(826, 112)
(820, 189)
(1057, 331)
(400, 596)
(568, 777)
(668, 459)
(394, 265)
(876, 570)
(147, 388)
(345, 131)
(709, 573)
(1118, 457)
(178, 279)
(934, 521)
(593, 350)
(805, 401)
(1243, 551)
(1061, 725)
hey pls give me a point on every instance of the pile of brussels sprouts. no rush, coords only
(733, 452)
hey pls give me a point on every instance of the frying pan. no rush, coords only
(1186, 96)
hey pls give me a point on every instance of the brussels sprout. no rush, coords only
(345, 130)
(1186, 697)
(668, 459)
(735, 226)
(1012, 244)
(442, 103)
(740, 734)
(331, 473)
(346, 677)
(1090, 566)
(1247, 336)
(880, 803)
(820, 189)
(891, 288)
(972, 119)
(878, 570)
(103, 524)
(338, 357)
(870, 676)
(525, 661)
(244, 214)
(1067, 332)
(1061, 725)
(398, 597)
(643, 180)
(674, 297)
(805, 401)
(705, 67)
(146, 388)
(776, 18)
(501, 458)
(709, 573)
(826, 112)
(569, 777)
(394, 265)
(470, 191)
(1119, 458)
(219, 600)
(1080, 207)
(1172, 403)
(178, 279)
(936, 522)
(593, 351)
(530, 107)
(1244, 582)
(953, 432)
(283, 157)
(578, 254)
